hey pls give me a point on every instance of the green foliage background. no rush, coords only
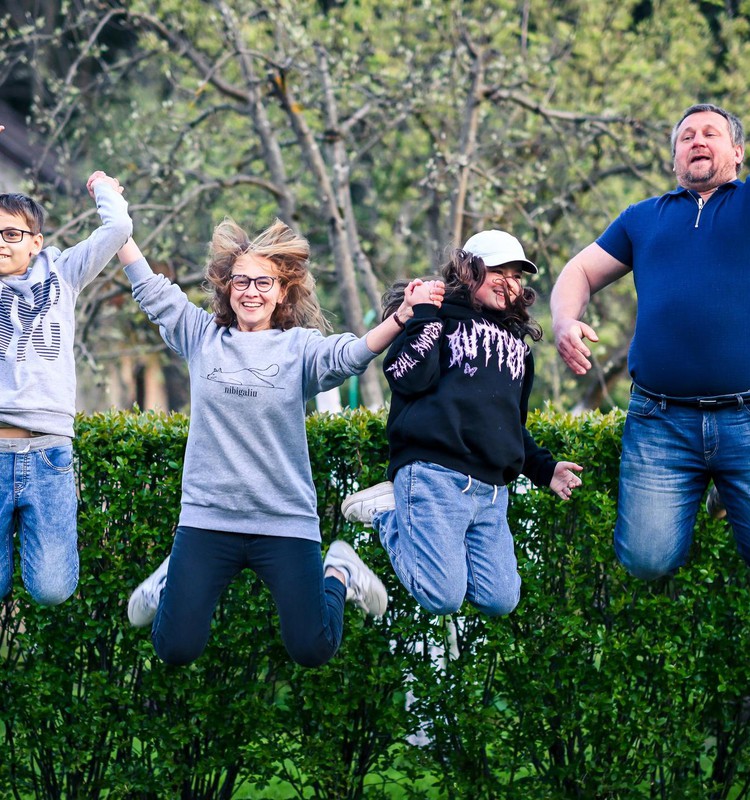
(597, 686)
(572, 103)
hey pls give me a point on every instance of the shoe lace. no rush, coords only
(150, 598)
(359, 591)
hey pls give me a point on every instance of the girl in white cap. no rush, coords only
(461, 375)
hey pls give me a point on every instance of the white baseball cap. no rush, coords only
(498, 247)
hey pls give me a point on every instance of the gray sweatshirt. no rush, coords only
(247, 468)
(37, 323)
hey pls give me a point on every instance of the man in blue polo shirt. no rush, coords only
(689, 413)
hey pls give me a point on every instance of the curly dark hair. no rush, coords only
(465, 273)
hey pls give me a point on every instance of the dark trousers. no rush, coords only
(204, 562)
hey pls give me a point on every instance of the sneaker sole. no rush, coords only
(347, 507)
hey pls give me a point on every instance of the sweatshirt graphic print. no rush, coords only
(461, 381)
(37, 323)
(247, 466)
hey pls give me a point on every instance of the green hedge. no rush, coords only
(597, 686)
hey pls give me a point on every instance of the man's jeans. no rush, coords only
(448, 538)
(38, 498)
(669, 454)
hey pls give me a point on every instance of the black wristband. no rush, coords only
(397, 320)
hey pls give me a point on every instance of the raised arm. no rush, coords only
(129, 253)
(82, 262)
(585, 274)
(182, 324)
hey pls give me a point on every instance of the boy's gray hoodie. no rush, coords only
(37, 323)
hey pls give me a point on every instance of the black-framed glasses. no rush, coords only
(14, 235)
(263, 283)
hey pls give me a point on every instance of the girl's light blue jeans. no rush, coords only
(669, 454)
(448, 539)
(38, 499)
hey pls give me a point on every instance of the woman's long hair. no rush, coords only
(290, 254)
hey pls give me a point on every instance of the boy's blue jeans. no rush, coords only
(448, 539)
(38, 499)
(669, 454)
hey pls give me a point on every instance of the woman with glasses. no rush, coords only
(248, 499)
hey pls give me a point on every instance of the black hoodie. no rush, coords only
(461, 382)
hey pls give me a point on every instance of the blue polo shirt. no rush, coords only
(691, 266)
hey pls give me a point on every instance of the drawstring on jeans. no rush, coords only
(468, 486)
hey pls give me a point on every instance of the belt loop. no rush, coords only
(468, 486)
(663, 403)
(740, 401)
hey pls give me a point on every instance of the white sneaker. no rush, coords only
(365, 589)
(145, 599)
(714, 506)
(363, 505)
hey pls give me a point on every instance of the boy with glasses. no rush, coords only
(38, 291)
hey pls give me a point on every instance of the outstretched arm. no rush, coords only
(82, 262)
(585, 274)
(181, 323)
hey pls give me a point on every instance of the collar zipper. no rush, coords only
(701, 202)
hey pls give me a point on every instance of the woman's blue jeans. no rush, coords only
(448, 539)
(669, 455)
(204, 562)
(38, 498)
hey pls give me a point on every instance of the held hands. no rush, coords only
(569, 336)
(102, 176)
(419, 291)
(564, 479)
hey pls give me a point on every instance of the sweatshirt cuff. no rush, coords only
(425, 311)
(362, 352)
(138, 271)
(104, 192)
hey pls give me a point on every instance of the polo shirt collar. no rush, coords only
(723, 187)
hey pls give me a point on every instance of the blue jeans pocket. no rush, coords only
(59, 459)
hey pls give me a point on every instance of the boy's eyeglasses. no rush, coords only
(263, 283)
(14, 235)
